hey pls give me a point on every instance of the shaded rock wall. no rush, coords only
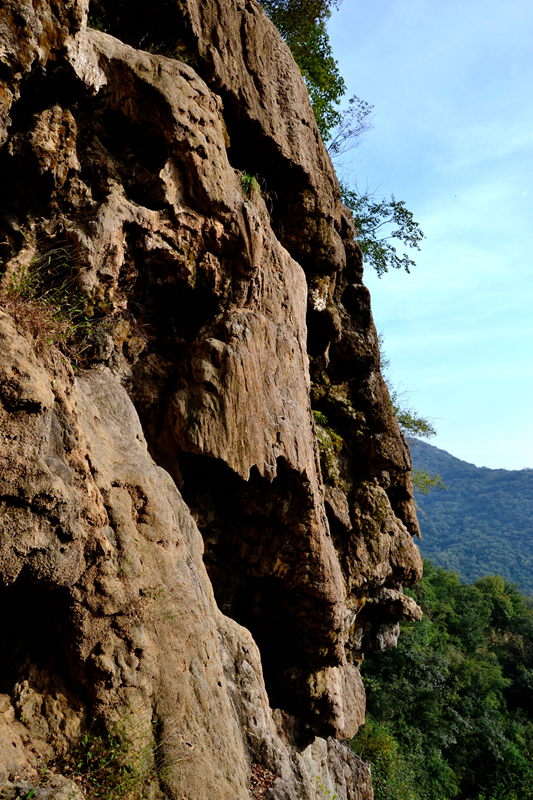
(192, 562)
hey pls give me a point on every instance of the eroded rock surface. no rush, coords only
(206, 507)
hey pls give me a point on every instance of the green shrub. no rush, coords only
(302, 23)
(330, 445)
(117, 763)
(451, 705)
(249, 185)
(392, 778)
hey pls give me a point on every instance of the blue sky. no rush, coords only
(452, 88)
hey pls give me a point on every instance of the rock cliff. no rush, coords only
(206, 509)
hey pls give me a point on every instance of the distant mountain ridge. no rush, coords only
(482, 523)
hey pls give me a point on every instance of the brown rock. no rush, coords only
(213, 318)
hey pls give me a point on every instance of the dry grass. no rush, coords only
(47, 306)
(36, 320)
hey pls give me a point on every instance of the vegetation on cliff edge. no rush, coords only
(385, 225)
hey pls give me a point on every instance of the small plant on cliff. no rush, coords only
(382, 224)
(330, 445)
(424, 482)
(324, 792)
(110, 766)
(249, 184)
(411, 424)
(46, 304)
(353, 122)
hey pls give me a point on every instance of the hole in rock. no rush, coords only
(255, 154)
(257, 557)
(321, 331)
(33, 633)
(139, 152)
(263, 605)
(27, 183)
(24, 191)
(162, 299)
(157, 28)
(284, 185)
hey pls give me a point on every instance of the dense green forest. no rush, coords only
(481, 523)
(451, 709)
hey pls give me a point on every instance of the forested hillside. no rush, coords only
(481, 523)
(450, 711)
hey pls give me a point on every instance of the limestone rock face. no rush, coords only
(206, 510)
